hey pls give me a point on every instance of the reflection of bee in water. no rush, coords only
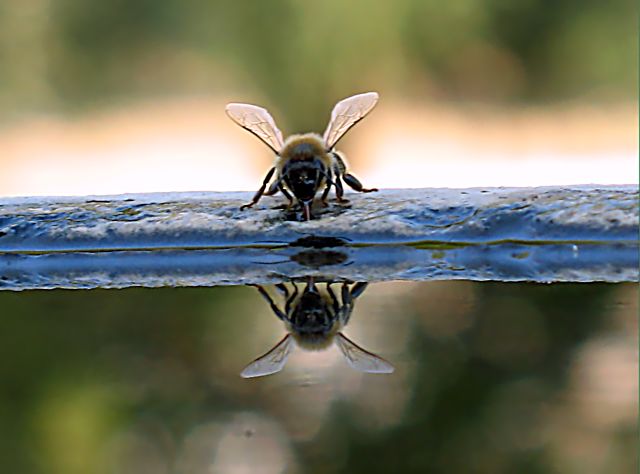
(314, 321)
(306, 163)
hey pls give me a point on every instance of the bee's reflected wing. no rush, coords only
(346, 114)
(360, 359)
(271, 362)
(259, 122)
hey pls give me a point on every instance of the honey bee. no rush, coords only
(314, 321)
(308, 162)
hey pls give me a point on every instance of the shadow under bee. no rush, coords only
(318, 251)
(320, 258)
(296, 213)
(314, 319)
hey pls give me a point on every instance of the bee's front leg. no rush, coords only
(286, 194)
(273, 189)
(260, 192)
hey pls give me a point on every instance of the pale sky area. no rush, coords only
(189, 145)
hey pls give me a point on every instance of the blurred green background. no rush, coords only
(72, 55)
(490, 377)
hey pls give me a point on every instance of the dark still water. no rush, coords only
(476, 378)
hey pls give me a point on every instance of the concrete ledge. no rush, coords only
(578, 233)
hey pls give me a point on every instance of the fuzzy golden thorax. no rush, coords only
(304, 147)
(315, 342)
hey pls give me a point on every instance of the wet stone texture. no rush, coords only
(578, 233)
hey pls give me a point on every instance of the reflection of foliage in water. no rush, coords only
(480, 378)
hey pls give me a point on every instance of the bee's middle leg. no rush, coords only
(325, 193)
(286, 193)
(351, 180)
(340, 190)
(339, 168)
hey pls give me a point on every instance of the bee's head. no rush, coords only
(303, 179)
(304, 170)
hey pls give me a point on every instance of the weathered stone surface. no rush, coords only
(579, 233)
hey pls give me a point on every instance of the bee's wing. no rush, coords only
(271, 362)
(360, 359)
(259, 122)
(346, 114)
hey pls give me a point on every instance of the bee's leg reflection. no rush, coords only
(347, 301)
(334, 300)
(349, 296)
(357, 289)
(282, 288)
(287, 306)
(260, 191)
(274, 307)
